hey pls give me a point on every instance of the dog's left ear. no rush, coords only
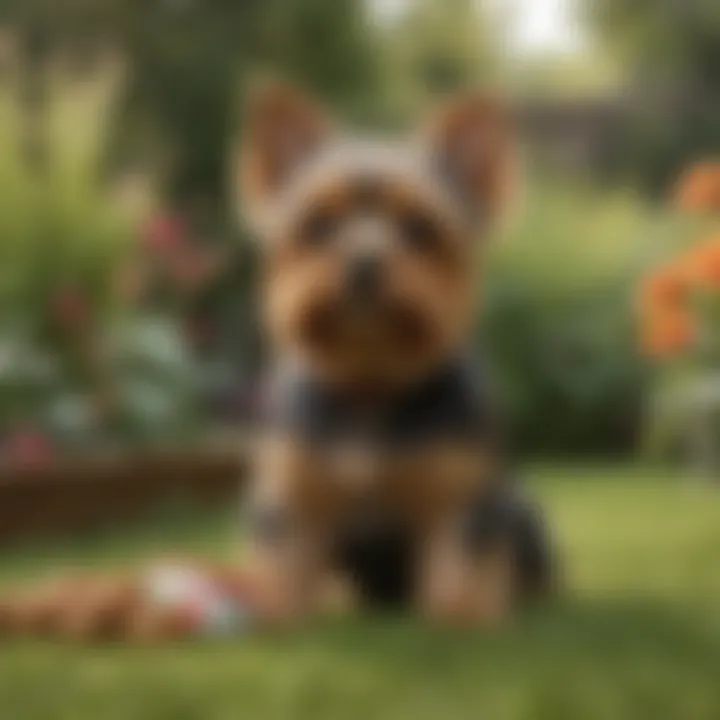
(472, 145)
(283, 129)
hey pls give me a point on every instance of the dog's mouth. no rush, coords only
(410, 327)
(319, 326)
(381, 329)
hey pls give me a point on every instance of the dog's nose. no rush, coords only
(364, 276)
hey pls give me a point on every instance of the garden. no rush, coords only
(131, 356)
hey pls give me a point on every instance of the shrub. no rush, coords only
(558, 328)
(79, 364)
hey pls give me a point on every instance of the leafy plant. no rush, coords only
(558, 329)
(81, 363)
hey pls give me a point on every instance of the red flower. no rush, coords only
(165, 234)
(192, 268)
(29, 447)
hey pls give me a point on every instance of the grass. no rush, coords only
(637, 636)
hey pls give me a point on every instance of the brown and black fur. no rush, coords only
(381, 465)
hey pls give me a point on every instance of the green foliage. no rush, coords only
(186, 63)
(559, 326)
(173, 115)
(70, 344)
(56, 226)
(667, 36)
(326, 46)
(671, 52)
(432, 49)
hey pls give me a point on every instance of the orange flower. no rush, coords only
(702, 263)
(668, 334)
(663, 289)
(699, 188)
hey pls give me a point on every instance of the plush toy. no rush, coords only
(171, 599)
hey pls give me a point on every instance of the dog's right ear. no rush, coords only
(471, 139)
(282, 130)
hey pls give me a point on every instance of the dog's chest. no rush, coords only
(450, 404)
(356, 464)
(374, 476)
(397, 456)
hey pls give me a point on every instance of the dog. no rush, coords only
(380, 478)
(380, 469)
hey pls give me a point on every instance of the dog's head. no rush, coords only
(371, 247)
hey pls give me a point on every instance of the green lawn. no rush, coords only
(637, 637)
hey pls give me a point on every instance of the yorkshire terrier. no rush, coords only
(380, 477)
(381, 466)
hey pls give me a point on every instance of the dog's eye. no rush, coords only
(420, 232)
(319, 228)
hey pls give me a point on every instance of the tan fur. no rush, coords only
(281, 129)
(438, 288)
(475, 135)
(457, 178)
(317, 490)
(456, 174)
(456, 589)
(289, 481)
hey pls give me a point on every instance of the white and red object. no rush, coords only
(207, 606)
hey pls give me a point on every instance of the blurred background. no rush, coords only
(130, 352)
(126, 280)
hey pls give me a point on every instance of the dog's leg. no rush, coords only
(291, 515)
(444, 592)
(459, 582)
(459, 587)
(495, 585)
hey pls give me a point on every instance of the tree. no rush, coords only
(435, 48)
(186, 63)
(671, 50)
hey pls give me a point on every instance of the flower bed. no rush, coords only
(81, 494)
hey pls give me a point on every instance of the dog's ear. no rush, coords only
(282, 130)
(471, 141)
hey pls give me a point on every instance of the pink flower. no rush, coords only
(165, 234)
(192, 268)
(29, 447)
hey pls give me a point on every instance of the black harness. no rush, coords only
(452, 403)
